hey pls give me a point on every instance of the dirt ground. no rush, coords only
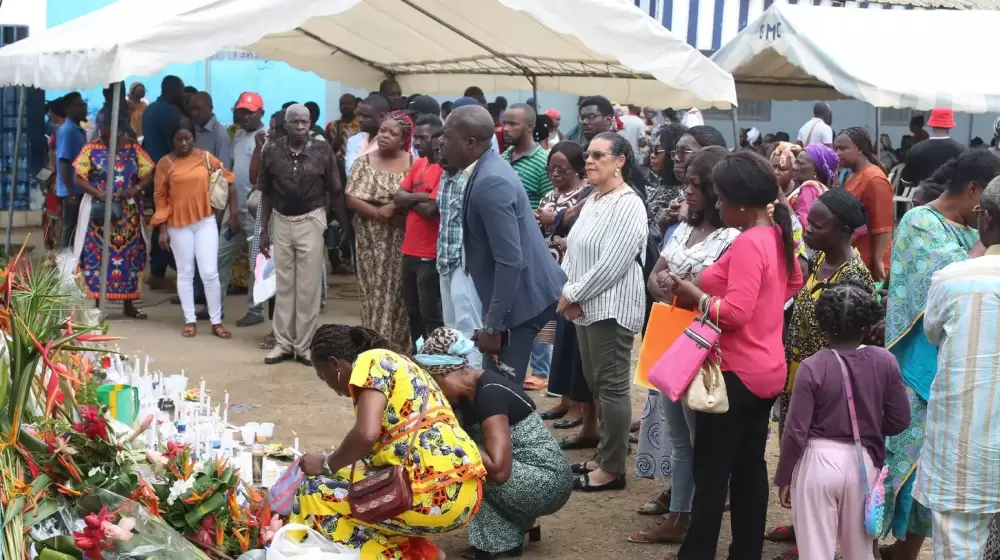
(592, 526)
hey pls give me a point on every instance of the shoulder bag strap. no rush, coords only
(409, 444)
(810, 135)
(854, 423)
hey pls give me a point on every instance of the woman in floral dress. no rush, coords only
(392, 397)
(127, 244)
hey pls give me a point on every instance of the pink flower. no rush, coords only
(120, 532)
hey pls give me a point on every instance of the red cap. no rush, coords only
(250, 101)
(941, 117)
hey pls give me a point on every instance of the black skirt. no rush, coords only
(566, 374)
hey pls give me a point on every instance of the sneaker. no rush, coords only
(304, 360)
(277, 355)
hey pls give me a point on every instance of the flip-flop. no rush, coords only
(657, 506)
(567, 424)
(221, 332)
(190, 330)
(781, 533)
(534, 383)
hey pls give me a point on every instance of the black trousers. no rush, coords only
(521, 340)
(422, 295)
(729, 458)
(70, 215)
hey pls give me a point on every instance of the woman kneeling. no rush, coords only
(527, 473)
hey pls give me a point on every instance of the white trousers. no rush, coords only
(198, 241)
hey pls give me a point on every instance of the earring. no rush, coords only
(618, 171)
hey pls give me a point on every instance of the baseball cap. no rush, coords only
(250, 101)
(941, 117)
(423, 105)
(465, 102)
(552, 113)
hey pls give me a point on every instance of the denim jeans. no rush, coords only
(461, 308)
(541, 359)
(680, 431)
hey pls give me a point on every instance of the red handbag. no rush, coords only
(385, 492)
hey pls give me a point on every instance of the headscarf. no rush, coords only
(826, 161)
(552, 113)
(443, 351)
(693, 118)
(753, 135)
(786, 152)
(406, 122)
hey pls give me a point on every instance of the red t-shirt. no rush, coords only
(420, 239)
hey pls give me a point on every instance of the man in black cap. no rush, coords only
(422, 105)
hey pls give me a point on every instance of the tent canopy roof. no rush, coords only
(582, 47)
(812, 52)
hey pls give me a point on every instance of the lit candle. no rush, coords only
(296, 445)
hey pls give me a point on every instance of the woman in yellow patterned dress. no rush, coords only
(389, 393)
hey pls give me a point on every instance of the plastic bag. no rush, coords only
(313, 547)
(282, 494)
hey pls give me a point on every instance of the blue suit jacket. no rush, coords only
(514, 273)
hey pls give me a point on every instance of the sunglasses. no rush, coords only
(680, 155)
(595, 155)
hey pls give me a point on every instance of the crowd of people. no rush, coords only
(489, 245)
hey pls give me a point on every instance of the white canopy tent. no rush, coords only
(809, 52)
(431, 46)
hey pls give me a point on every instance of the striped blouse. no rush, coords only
(602, 271)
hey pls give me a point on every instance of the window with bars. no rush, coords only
(896, 116)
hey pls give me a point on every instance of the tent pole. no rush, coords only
(736, 127)
(21, 92)
(109, 189)
(534, 91)
(878, 134)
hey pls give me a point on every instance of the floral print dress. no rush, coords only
(444, 466)
(127, 244)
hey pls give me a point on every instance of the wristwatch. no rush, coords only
(491, 332)
(326, 465)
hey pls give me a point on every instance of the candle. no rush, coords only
(201, 392)
(225, 412)
(296, 445)
(147, 365)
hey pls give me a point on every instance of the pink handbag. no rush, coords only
(677, 367)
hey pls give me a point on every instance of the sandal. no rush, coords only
(790, 554)
(657, 506)
(781, 533)
(221, 332)
(190, 330)
(269, 342)
(567, 424)
(136, 314)
(670, 529)
(535, 383)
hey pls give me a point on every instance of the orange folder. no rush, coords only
(666, 323)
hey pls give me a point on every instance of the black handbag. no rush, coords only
(97, 210)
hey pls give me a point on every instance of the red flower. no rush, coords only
(92, 540)
(89, 413)
(94, 425)
(173, 450)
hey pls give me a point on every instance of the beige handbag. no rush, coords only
(707, 392)
(218, 187)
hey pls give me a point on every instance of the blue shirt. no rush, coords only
(156, 120)
(70, 140)
(450, 197)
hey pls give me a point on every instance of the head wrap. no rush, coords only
(443, 351)
(753, 135)
(786, 152)
(825, 160)
(845, 207)
(693, 118)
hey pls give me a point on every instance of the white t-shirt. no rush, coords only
(632, 129)
(821, 132)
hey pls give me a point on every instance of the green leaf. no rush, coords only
(59, 548)
(214, 502)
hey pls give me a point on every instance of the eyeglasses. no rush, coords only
(595, 155)
(658, 151)
(680, 155)
(558, 170)
(590, 116)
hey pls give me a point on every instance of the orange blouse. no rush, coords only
(180, 188)
(874, 191)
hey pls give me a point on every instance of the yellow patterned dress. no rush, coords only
(445, 468)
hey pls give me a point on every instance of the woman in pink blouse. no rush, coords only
(752, 281)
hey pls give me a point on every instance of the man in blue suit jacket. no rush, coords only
(516, 277)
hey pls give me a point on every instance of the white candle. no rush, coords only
(225, 412)
(208, 405)
(296, 444)
(147, 365)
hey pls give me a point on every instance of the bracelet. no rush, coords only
(326, 465)
(704, 302)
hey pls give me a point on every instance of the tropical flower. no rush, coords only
(178, 489)
(122, 531)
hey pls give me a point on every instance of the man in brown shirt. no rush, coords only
(299, 183)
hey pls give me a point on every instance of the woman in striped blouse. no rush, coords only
(604, 296)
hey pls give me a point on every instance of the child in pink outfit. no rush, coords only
(818, 475)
